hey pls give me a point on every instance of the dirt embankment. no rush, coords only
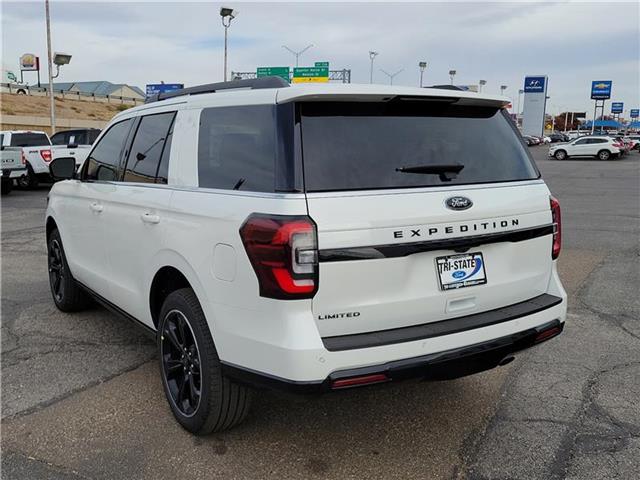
(36, 106)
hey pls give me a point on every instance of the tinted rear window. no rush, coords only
(237, 148)
(353, 146)
(29, 140)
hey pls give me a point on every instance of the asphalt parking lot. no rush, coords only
(81, 395)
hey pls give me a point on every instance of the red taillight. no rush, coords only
(46, 155)
(283, 251)
(359, 381)
(557, 228)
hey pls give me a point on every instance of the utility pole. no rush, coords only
(391, 75)
(566, 118)
(52, 105)
(481, 84)
(452, 73)
(372, 56)
(297, 54)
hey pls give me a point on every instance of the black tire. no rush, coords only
(22, 92)
(604, 155)
(7, 186)
(28, 181)
(188, 360)
(560, 155)
(67, 294)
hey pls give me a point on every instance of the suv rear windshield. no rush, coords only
(360, 145)
(29, 140)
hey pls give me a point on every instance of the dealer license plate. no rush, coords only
(460, 271)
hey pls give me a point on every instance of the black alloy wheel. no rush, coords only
(181, 363)
(56, 271)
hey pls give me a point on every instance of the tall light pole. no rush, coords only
(502, 89)
(227, 15)
(297, 54)
(422, 66)
(391, 75)
(372, 56)
(452, 73)
(520, 92)
(52, 105)
(482, 83)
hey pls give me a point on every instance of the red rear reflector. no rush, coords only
(547, 334)
(46, 155)
(557, 228)
(359, 381)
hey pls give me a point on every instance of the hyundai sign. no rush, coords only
(534, 84)
(156, 88)
(635, 113)
(601, 89)
(535, 103)
(617, 107)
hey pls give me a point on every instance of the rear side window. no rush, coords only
(353, 146)
(29, 140)
(148, 147)
(237, 148)
(60, 138)
(104, 161)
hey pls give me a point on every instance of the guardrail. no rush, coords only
(13, 88)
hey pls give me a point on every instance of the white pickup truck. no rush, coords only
(38, 151)
(12, 167)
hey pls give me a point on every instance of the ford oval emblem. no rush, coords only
(458, 203)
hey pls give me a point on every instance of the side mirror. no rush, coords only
(63, 168)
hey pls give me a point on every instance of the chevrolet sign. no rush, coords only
(601, 89)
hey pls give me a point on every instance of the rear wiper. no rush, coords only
(446, 172)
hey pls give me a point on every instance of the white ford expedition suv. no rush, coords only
(310, 238)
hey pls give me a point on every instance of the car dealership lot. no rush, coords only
(82, 399)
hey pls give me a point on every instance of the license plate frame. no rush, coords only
(469, 276)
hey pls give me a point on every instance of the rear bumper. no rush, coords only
(443, 365)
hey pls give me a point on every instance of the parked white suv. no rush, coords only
(310, 238)
(603, 148)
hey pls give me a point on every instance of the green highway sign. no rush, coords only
(282, 72)
(322, 64)
(310, 74)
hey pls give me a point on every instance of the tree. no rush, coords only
(571, 125)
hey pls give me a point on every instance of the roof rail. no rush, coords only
(446, 87)
(251, 84)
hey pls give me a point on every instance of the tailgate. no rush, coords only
(378, 254)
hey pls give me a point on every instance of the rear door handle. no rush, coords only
(150, 218)
(96, 207)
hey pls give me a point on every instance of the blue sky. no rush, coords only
(146, 42)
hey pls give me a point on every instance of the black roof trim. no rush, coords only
(252, 84)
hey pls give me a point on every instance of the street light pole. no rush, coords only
(372, 56)
(520, 92)
(481, 83)
(52, 105)
(502, 89)
(297, 54)
(227, 14)
(452, 73)
(422, 66)
(391, 75)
